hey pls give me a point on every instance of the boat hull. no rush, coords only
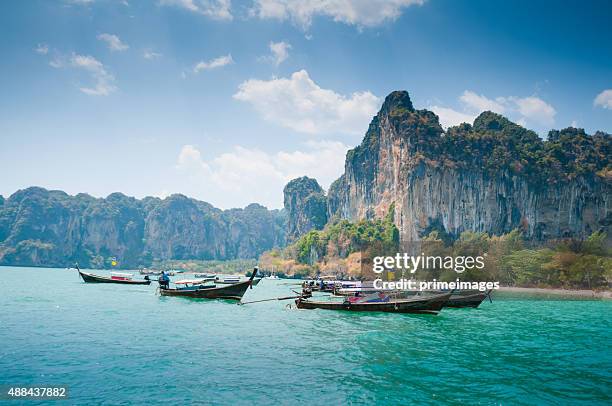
(472, 300)
(426, 305)
(234, 292)
(91, 278)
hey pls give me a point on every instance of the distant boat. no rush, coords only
(149, 272)
(116, 277)
(272, 276)
(202, 291)
(204, 275)
(228, 281)
(417, 304)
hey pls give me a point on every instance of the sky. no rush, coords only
(225, 101)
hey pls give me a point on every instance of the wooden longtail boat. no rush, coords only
(234, 291)
(92, 278)
(469, 298)
(459, 298)
(425, 305)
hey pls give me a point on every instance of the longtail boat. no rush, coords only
(201, 291)
(124, 279)
(468, 298)
(459, 298)
(431, 304)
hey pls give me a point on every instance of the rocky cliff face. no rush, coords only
(51, 228)
(306, 206)
(494, 176)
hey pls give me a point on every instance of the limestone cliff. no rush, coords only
(306, 206)
(51, 228)
(493, 176)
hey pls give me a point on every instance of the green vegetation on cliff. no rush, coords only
(343, 238)
(569, 264)
(496, 144)
(334, 248)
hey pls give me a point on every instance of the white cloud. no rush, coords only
(604, 99)
(479, 103)
(243, 175)
(280, 52)
(525, 111)
(535, 110)
(148, 54)
(42, 49)
(113, 42)
(302, 105)
(56, 63)
(104, 81)
(216, 9)
(322, 160)
(362, 13)
(449, 117)
(213, 64)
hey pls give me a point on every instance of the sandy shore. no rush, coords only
(560, 292)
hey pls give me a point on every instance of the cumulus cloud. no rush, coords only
(449, 117)
(216, 9)
(42, 49)
(280, 52)
(113, 42)
(104, 82)
(148, 54)
(526, 111)
(534, 109)
(245, 175)
(299, 103)
(480, 103)
(213, 64)
(361, 13)
(604, 99)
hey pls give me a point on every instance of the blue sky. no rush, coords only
(227, 101)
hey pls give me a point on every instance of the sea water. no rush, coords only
(118, 344)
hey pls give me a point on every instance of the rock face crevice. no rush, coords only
(494, 176)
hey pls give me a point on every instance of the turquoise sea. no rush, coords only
(114, 344)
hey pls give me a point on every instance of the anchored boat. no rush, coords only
(431, 304)
(202, 291)
(468, 298)
(459, 298)
(116, 277)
